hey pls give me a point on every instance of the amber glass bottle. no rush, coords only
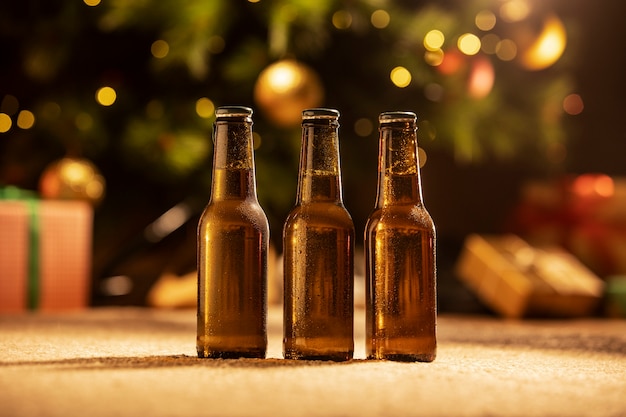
(233, 235)
(400, 252)
(318, 244)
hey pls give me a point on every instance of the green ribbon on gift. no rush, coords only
(32, 203)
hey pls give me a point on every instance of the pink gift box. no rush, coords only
(45, 254)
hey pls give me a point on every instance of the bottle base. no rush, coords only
(403, 357)
(255, 354)
(335, 357)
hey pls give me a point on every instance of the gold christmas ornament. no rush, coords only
(72, 179)
(285, 88)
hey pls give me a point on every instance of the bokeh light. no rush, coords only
(91, 2)
(489, 43)
(342, 19)
(400, 77)
(548, 47)
(514, 10)
(106, 96)
(25, 119)
(506, 50)
(159, 48)
(83, 121)
(433, 40)
(380, 19)
(363, 127)
(573, 104)
(481, 79)
(594, 185)
(205, 108)
(485, 20)
(5, 123)
(10, 104)
(469, 44)
(433, 92)
(434, 58)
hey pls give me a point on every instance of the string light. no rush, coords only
(363, 127)
(5, 123)
(380, 19)
(573, 104)
(506, 50)
(159, 48)
(469, 44)
(434, 39)
(485, 20)
(342, 19)
(25, 119)
(205, 108)
(400, 77)
(106, 96)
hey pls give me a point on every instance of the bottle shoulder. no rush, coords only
(404, 216)
(234, 211)
(320, 213)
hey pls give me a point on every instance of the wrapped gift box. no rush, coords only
(45, 254)
(516, 279)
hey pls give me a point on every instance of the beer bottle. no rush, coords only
(400, 252)
(318, 244)
(233, 235)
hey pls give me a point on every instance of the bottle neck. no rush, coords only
(319, 178)
(398, 166)
(233, 161)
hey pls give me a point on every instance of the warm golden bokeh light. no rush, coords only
(489, 43)
(91, 2)
(380, 19)
(83, 121)
(573, 104)
(506, 50)
(469, 44)
(106, 96)
(363, 127)
(434, 39)
(514, 10)
(5, 123)
(257, 139)
(205, 108)
(433, 92)
(421, 157)
(594, 185)
(434, 58)
(485, 20)
(548, 47)
(481, 79)
(342, 19)
(159, 48)
(400, 77)
(25, 119)
(10, 105)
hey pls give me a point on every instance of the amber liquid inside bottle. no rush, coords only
(318, 244)
(318, 255)
(233, 235)
(400, 268)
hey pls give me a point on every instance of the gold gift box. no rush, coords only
(517, 280)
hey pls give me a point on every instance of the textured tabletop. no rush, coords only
(132, 362)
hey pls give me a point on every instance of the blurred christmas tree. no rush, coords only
(132, 86)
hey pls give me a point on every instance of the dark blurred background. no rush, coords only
(509, 93)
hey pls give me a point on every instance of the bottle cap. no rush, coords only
(397, 116)
(233, 111)
(320, 113)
